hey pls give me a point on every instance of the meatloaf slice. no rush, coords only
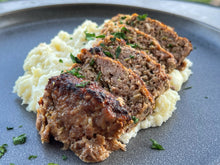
(142, 41)
(151, 72)
(123, 83)
(180, 47)
(86, 118)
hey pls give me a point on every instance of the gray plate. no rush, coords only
(190, 136)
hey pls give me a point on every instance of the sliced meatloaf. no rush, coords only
(142, 41)
(180, 47)
(123, 83)
(86, 118)
(151, 72)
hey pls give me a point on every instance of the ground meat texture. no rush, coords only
(87, 119)
(180, 47)
(123, 83)
(151, 72)
(142, 41)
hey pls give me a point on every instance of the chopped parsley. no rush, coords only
(98, 76)
(11, 164)
(75, 72)
(71, 38)
(89, 36)
(206, 97)
(142, 17)
(32, 157)
(120, 35)
(60, 61)
(74, 59)
(20, 126)
(102, 45)
(170, 45)
(123, 17)
(135, 119)
(64, 157)
(108, 54)
(120, 22)
(194, 47)
(100, 36)
(19, 139)
(113, 39)
(124, 29)
(3, 149)
(92, 62)
(9, 128)
(155, 145)
(82, 84)
(187, 88)
(118, 51)
(133, 45)
(131, 56)
(52, 164)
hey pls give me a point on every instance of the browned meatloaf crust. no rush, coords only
(180, 47)
(88, 119)
(151, 72)
(142, 41)
(120, 81)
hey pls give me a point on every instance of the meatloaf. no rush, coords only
(83, 116)
(123, 83)
(142, 41)
(180, 47)
(151, 72)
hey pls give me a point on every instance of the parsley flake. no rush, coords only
(133, 45)
(142, 17)
(113, 39)
(32, 157)
(82, 84)
(3, 149)
(52, 164)
(64, 157)
(98, 76)
(9, 128)
(71, 38)
(75, 59)
(89, 36)
(108, 54)
(11, 164)
(92, 62)
(131, 56)
(118, 51)
(187, 88)
(100, 36)
(206, 97)
(60, 61)
(123, 17)
(124, 29)
(20, 126)
(75, 72)
(19, 139)
(135, 119)
(155, 145)
(120, 35)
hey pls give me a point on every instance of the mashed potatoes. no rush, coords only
(43, 62)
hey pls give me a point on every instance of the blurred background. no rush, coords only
(208, 2)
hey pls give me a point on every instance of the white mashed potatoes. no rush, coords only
(43, 62)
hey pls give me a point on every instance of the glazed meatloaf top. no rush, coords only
(151, 72)
(180, 47)
(123, 83)
(142, 41)
(83, 116)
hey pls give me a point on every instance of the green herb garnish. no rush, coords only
(83, 84)
(133, 45)
(20, 126)
(142, 17)
(89, 36)
(120, 22)
(135, 119)
(155, 145)
(187, 88)
(102, 45)
(113, 39)
(100, 36)
(92, 62)
(20, 139)
(131, 56)
(32, 157)
(75, 72)
(75, 59)
(11, 164)
(120, 35)
(60, 61)
(98, 76)
(123, 17)
(108, 54)
(3, 149)
(118, 51)
(9, 128)
(71, 38)
(206, 97)
(170, 45)
(124, 29)
(64, 157)
(52, 164)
